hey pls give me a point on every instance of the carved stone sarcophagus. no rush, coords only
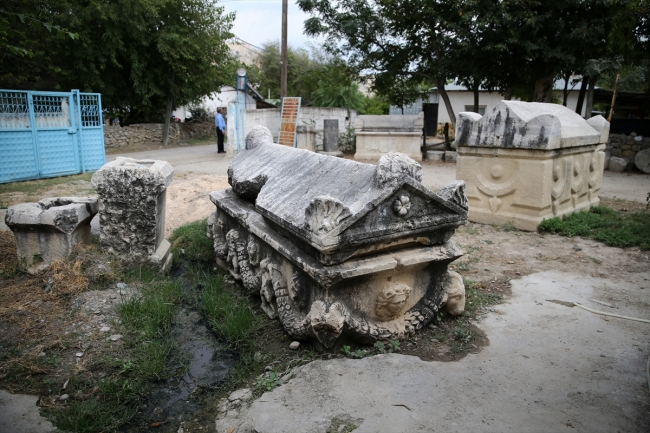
(338, 250)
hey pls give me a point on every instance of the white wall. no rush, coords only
(308, 116)
(227, 95)
(460, 99)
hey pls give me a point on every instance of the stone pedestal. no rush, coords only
(132, 197)
(379, 135)
(46, 231)
(306, 137)
(338, 250)
(526, 162)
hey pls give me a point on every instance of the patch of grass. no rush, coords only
(616, 229)
(229, 312)
(34, 186)
(147, 320)
(192, 242)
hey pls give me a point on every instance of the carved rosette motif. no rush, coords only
(402, 205)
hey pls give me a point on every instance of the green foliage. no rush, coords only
(102, 413)
(374, 105)
(229, 313)
(191, 241)
(603, 224)
(137, 54)
(348, 140)
(267, 382)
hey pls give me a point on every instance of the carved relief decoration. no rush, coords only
(497, 179)
(391, 300)
(561, 189)
(324, 214)
(402, 205)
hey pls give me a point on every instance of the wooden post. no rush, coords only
(611, 108)
(283, 78)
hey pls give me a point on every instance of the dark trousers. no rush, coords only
(219, 140)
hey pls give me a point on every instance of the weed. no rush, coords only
(229, 312)
(616, 229)
(267, 382)
(509, 227)
(390, 347)
(191, 241)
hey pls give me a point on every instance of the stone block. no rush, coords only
(526, 162)
(306, 137)
(379, 135)
(451, 156)
(46, 231)
(617, 164)
(642, 161)
(616, 152)
(132, 196)
(608, 155)
(628, 154)
(338, 250)
(435, 155)
(331, 135)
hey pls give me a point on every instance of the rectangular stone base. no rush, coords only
(383, 296)
(373, 145)
(523, 187)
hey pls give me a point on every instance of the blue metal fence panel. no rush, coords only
(45, 134)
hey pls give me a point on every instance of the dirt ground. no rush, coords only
(503, 261)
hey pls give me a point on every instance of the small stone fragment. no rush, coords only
(121, 286)
(79, 354)
(64, 397)
(104, 329)
(294, 345)
(115, 337)
(241, 394)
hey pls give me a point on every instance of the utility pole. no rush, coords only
(283, 78)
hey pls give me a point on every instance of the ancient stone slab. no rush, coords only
(525, 162)
(378, 135)
(331, 135)
(529, 125)
(132, 197)
(46, 231)
(306, 137)
(642, 161)
(338, 250)
(617, 164)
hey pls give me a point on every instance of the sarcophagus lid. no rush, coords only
(335, 208)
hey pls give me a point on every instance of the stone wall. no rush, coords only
(152, 133)
(627, 146)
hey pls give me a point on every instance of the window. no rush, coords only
(481, 109)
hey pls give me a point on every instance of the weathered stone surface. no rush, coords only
(451, 156)
(331, 135)
(337, 208)
(642, 161)
(525, 162)
(617, 164)
(132, 197)
(529, 125)
(338, 250)
(47, 230)
(378, 135)
(306, 137)
(435, 155)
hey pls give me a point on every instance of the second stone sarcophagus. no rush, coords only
(338, 250)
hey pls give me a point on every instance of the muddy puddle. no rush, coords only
(205, 363)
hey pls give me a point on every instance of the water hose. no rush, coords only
(647, 367)
(610, 314)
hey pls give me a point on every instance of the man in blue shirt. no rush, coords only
(220, 124)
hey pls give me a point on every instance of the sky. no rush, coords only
(260, 21)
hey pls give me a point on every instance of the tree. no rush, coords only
(505, 45)
(142, 56)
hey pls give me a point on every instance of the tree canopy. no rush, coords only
(139, 54)
(508, 46)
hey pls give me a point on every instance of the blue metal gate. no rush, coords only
(46, 134)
